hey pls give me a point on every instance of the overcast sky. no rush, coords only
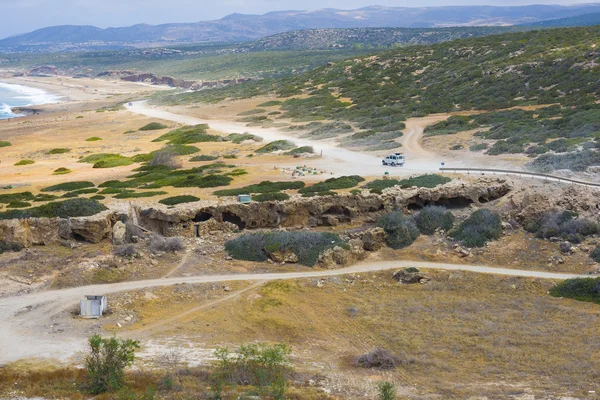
(21, 16)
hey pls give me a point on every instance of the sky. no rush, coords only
(21, 16)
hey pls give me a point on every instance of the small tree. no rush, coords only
(387, 391)
(431, 218)
(106, 362)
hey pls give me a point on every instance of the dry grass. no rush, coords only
(461, 335)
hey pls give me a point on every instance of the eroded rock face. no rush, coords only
(119, 232)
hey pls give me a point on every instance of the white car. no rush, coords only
(396, 159)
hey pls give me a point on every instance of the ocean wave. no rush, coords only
(33, 96)
(5, 109)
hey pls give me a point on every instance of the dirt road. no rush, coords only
(335, 159)
(27, 318)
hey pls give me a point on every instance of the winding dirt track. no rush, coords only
(24, 318)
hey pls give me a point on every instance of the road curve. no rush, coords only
(25, 317)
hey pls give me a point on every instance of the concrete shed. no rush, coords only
(93, 306)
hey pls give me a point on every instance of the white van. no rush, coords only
(396, 159)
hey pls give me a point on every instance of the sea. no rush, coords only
(12, 96)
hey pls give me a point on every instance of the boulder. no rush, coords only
(286, 256)
(410, 276)
(373, 239)
(119, 233)
(93, 229)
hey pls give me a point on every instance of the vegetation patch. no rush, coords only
(252, 112)
(136, 195)
(271, 103)
(595, 254)
(239, 138)
(481, 227)
(301, 150)
(306, 245)
(278, 145)
(203, 157)
(76, 193)
(93, 139)
(479, 147)
(18, 204)
(61, 171)
(171, 201)
(14, 197)
(61, 150)
(263, 187)
(107, 160)
(68, 186)
(344, 182)
(64, 209)
(24, 162)
(426, 181)
(4, 144)
(582, 289)
(153, 126)
(564, 225)
(189, 135)
(431, 218)
(400, 231)
(275, 196)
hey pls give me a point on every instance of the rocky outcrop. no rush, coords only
(410, 276)
(119, 233)
(152, 79)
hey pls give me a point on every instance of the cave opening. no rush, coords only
(234, 219)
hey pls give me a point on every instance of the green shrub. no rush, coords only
(275, 196)
(171, 201)
(252, 112)
(189, 135)
(431, 218)
(387, 391)
(595, 254)
(153, 126)
(479, 147)
(306, 245)
(344, 182)
(136, 195)
(64, 209)
(257, 364)
(68, 186)
(457, 147)
(319, 194)
(301, 150)
(207, 181)
(45, 197)
(15, 197)
(106, 361)
(18, 204)
(61, 171)
(481, 227)
(10, 246)
(4, 144)
(230, 156)
(400, 231)
(203, 157)
(61, 150)
(78, 192)
(93, 139)
(238, 138)
(582, 289)
(97, 197)
(278, 145)
(263, 187)
(24, 162)
(425, 181)
(564, 225)
(181, 149)
(378, 185)
(107, 160)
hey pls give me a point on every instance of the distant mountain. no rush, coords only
(578, 20)
(239, 27)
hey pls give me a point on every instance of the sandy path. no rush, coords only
(335, 159)
(25, 319)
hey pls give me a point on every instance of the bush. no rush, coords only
(12, 197)
(563, 225)
(344, 182)
(59, 151)
(238, 138)
(387, 391)
(128, 194)
(65, 209)
(159, 243)
(400, 231)
(93, 139)
(308, 246)
(4, 144)
(189, 135)
(378, 358)
(61, 171)
(166, 157)
(78, 192)
(68, 186)
(107, 160)
(276, 196)
(18, 204)
(106, 361)
(153, 126)
(301, 150)
(431, 218)
(24, 162)
(126, 251)
(595, 254)
(171, 201)
(425, 181)
(479, 147)
(263, 187)
(481, 227)
(278, 145)
(257, 364)
(230, 156)
(582, 289)
(271, 103)
(9, 246)
(203, 157)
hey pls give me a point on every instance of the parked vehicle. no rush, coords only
(396, 159)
